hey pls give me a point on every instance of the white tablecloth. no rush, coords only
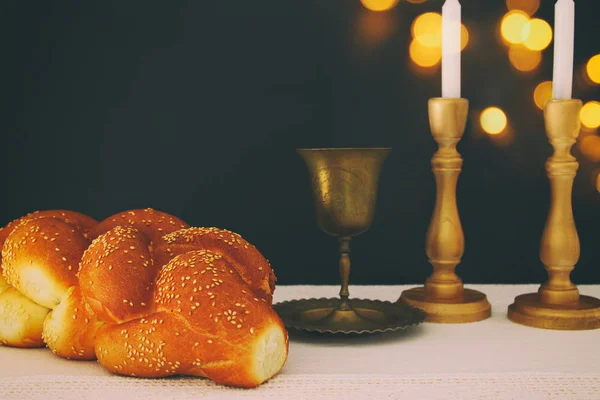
(491, 359)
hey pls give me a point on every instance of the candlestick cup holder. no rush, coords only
(558, 304)
(443, 297)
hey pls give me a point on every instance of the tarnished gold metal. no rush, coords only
(444, 297)
(558, 304)
(316, 315)
(344, 184)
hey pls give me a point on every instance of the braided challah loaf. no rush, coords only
(149, 296)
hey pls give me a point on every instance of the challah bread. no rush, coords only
(41, 258)
(152, 223)
(21, 320)
(117, 275)
(81, 221)
(4, 232)
(208, 323)
(3, 284)
(70, 329)
(254, 269)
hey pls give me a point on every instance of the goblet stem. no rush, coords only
(344, 272)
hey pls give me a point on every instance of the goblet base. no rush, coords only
(363, 317)
(580, 315)
(472, 306)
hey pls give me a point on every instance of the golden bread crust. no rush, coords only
(84, 223)
(152, 223)
(252, 266)
(21, 320)
(70, 329)
(117, 275)
(208, 323)
(41, 258)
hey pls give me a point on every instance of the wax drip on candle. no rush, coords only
(564, 39)
(451, 24)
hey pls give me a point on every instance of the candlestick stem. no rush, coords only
(443, 296)
(559, 250)
(445, 239)
(558, 304)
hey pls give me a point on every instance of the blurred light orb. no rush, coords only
(513, 26)
(537, 34)
(593, 68)
(590, 114)
(590, 147)
(427, 29)
(424, 56)
(416, 1)
(464, 37)
(373, 27)
(542, 93)
(598, 182)
(523, 59)
(379, 5)
(493, 120)
(527, 6)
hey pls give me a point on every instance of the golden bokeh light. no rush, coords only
(523, 59)
(372, 28)
(589, 146)
(542, 93)
(513, 25)
(424, 56)
(464, 37)
(427, 30)
(493, 120)
(598, 182)
(593, 68)
(379, 5)
(537, 34)
(590, 114)
(527, 6)
(416, 1)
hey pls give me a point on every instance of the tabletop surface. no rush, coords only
(489, 359)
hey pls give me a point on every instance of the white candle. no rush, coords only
(564, 38)
(451, 23)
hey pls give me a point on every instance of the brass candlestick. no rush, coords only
(558, 304)
(443, 297)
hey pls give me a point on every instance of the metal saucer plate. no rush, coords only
(366, 316)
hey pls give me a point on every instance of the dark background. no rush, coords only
(196, 108)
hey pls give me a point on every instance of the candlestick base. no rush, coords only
(472, 306)
(529, 310)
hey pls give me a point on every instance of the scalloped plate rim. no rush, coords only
(415, 322)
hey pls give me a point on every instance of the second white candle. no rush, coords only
(451, 25)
